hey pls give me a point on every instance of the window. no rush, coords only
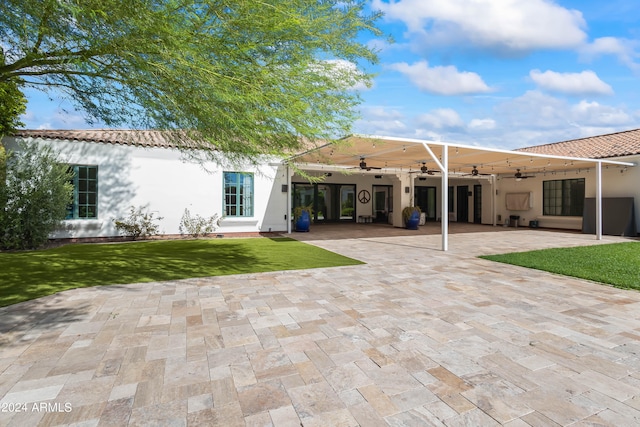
(238, 194)
(563, 197)
(85, 193)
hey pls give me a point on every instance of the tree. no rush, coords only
(12, 105)
(248, 76)
(34, 198)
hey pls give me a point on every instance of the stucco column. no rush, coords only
(401, 198)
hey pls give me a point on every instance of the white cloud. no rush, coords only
(595, 114)
(584, 83)
(504, 25)
(378, 113)
(379, 120)
(343, 71)
(54, 119)
(533, 110)
(482, 124)
(624, 49)
(442, 118)
(442, 80)
(540, 113)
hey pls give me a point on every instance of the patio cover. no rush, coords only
(399, 155)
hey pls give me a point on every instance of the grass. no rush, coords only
(33, 274)
(616, 264)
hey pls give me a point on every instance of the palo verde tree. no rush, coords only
(12, 104)
(248, 76)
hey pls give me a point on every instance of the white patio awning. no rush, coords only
(400, 155)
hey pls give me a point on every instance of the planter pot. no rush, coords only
(413, 221)
(303, 222)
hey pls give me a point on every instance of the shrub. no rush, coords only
(35, 190)
(138, 223)
(347, 211)
(408, 211)
(197, 225)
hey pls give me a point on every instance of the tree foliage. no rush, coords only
(33, 198)
(12, 105)
(249, 76)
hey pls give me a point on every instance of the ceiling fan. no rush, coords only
(424, 169)
(363, 165)
(476, 172)
(518, 175)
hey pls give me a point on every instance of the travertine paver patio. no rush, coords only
(415, 337)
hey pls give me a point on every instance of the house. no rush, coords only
(117, 169)
(363, 179)
(619, 182)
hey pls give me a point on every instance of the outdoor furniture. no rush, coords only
(365, 219)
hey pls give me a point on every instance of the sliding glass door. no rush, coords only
(330, 202)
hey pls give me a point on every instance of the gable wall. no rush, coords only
(167, 182)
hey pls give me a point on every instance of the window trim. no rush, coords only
(563, 201)
(245, 204)
(73, 209)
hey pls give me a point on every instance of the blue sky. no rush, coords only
(492, 73)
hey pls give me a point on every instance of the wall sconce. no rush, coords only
(285, 188)
(407, 190)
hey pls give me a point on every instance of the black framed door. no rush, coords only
(477, 204)
(462, 214)
(425, 199)
(382, 202)
(330, 202)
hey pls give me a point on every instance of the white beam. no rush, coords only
(434, 157)
(289, 191)
(444, 215)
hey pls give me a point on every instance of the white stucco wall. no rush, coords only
(616, 182)
(401, 199)
(167, 182)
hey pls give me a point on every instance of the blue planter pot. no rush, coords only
(303, 222)
(413, 221)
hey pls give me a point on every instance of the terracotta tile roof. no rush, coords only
(617, 144)
(146, 138)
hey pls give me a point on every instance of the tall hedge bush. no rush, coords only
(35, 190)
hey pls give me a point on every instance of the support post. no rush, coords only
(445, 198)
(494, 207)
(599, 200)
(288, 214)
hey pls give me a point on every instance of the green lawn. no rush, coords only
(28, 275)
(617, 264)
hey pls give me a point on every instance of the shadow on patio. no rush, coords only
(337, 231)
